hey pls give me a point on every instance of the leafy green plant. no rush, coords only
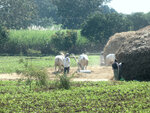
(83, 97)
(34, 73)
(64, 81)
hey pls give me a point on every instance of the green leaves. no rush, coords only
(103, 97)
(74, 12)
(17, 14)
(99, 27)
(106, 97)
(64, 41)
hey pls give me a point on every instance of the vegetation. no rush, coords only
(82, 97)
(72, 17)
(32, 73)
(96, 21)
(16, 14)
(64, 41)
(46, 12)
(23, 41)
(10, 64)
(63, 81)
(99, 27)
(3, 37)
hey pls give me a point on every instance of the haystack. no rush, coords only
(115, 42)
(135, 54)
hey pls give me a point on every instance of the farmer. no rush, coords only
(66, 63)
(115, 67)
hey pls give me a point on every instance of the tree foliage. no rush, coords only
(73, 12)
(17, 14)
(3, 37)
(46, 11)
(99, 27)
(64, 41)
(138, 20)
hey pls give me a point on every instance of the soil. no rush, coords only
(98, 73)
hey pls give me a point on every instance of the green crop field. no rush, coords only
(9, 64)
(31, 37)
(83, 97)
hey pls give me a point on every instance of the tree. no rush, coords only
(73, 12)
(3, 38)
(147, 16)
(46, 11)
(138, 20)
(17, 14)
(99, 27)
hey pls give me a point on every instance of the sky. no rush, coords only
(130, 6)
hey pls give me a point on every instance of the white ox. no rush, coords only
(59, 62)
(82, 61)
(110, 58)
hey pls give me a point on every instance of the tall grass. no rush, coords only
(22, 40)
(30, 34)
(37, 36)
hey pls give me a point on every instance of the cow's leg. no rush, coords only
(79, 66)
(59, 69)
(55, 67)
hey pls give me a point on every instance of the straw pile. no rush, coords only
(115, 42)
(135, 54)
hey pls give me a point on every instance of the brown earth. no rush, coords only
(98, 73)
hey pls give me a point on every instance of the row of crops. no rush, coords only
(91, 97)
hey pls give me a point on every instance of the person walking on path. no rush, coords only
(67, 64)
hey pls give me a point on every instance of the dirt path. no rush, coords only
(98, 73)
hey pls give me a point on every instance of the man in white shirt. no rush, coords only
(66, 63)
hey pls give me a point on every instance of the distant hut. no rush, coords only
(135, 54)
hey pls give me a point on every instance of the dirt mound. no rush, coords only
(135, 53)
(116, 41)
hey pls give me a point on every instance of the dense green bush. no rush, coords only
(64, 41)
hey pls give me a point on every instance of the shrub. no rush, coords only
(64, 41)
(63, 81)
(34, 73)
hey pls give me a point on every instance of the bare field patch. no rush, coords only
(98, 73)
